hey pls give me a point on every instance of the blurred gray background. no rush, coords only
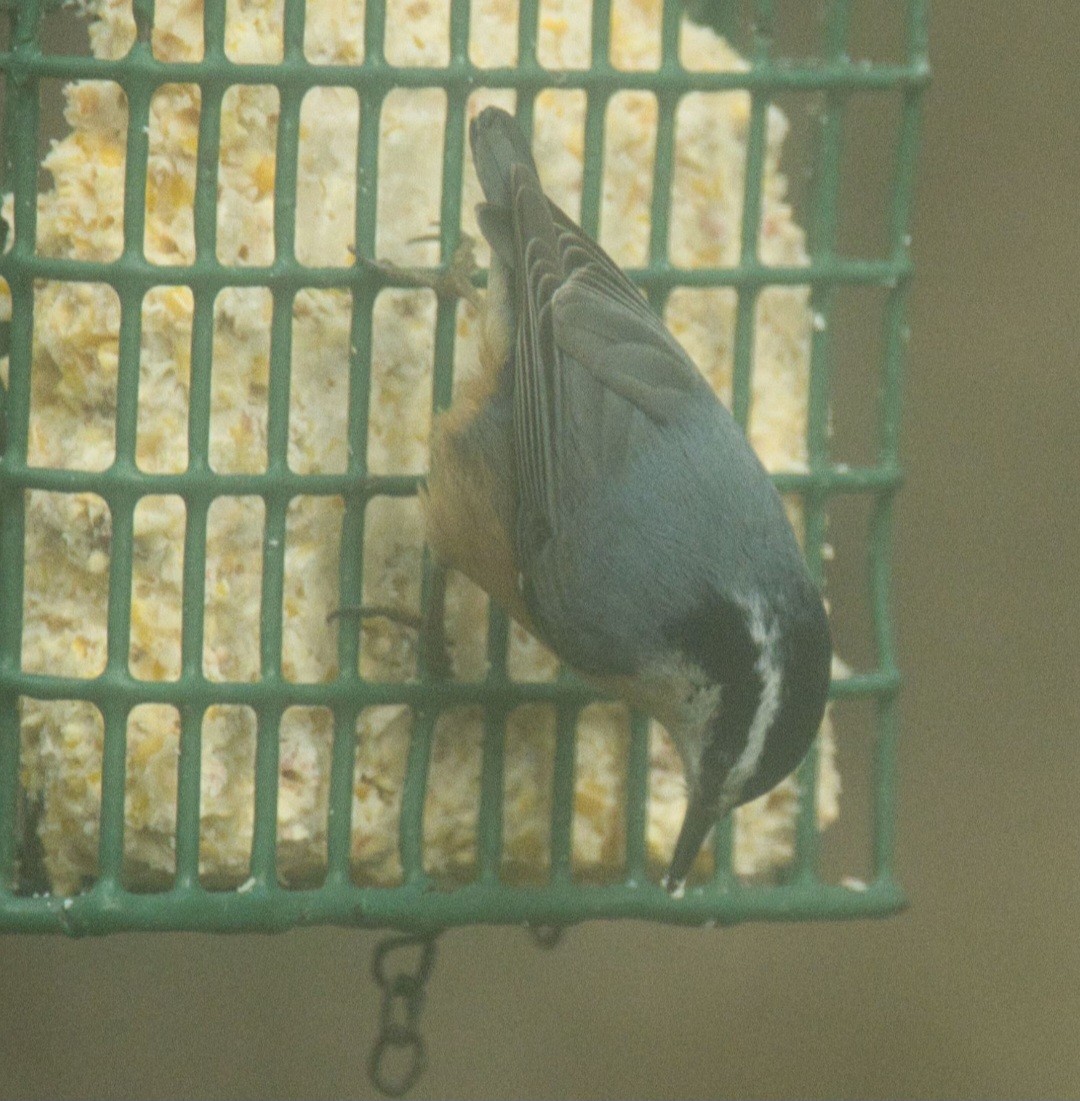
(975, 990)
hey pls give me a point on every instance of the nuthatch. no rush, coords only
(592, 483)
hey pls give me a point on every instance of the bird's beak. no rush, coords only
(697, 825)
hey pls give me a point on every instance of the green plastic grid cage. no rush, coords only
(263, 905)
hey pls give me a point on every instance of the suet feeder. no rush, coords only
(214, 416)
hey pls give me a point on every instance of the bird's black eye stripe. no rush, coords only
(806, 653)
(716, 637)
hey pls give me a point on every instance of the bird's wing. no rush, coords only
(604, 322)
(600, 314)
(538, 397)
(623, 345)
(596, 372)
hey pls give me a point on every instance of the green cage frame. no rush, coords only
(107, 906)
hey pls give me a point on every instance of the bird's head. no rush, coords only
(765, 668)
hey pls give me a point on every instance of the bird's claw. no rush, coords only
(431, 633)
(453, 281)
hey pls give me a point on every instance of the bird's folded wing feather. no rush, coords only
(596, 372)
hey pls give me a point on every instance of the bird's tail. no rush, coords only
(497, 145)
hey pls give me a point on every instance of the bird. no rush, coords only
(590, 480)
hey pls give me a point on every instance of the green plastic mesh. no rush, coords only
(264, 905)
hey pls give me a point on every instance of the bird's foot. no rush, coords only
(402, 616)
(430, 627)
(454, 280)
